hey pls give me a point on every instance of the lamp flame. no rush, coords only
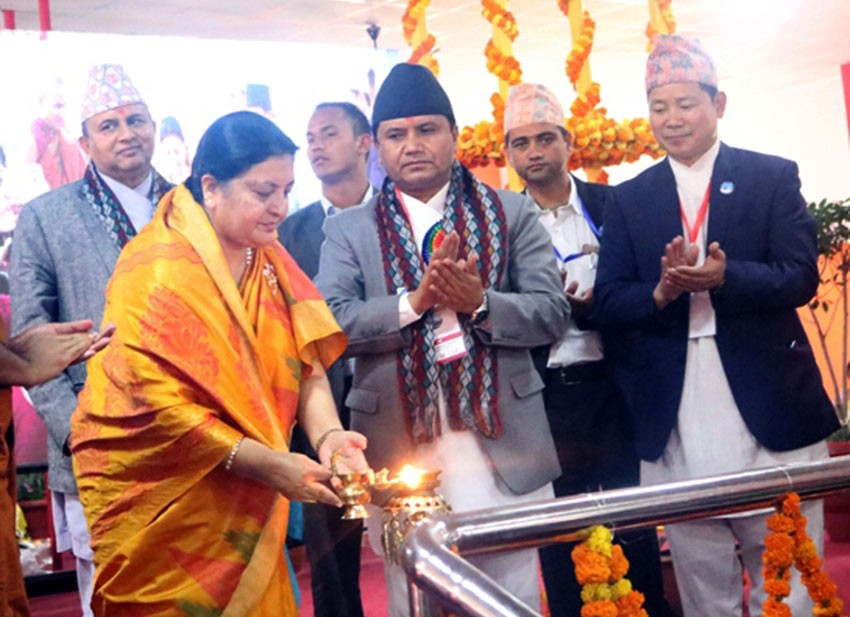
(410, 476)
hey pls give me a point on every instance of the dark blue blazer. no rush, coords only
(759, 218)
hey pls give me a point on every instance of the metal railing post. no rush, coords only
(430, 553)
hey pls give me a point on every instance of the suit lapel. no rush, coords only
(591, 202)
(98, 239)
(664, 204)
(723, 194)
(313, 231)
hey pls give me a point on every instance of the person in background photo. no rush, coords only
(181, 437)
(54, 149)
(706, 257)
(339, 139)
(172, 154)
(258, 99)
(66, 244)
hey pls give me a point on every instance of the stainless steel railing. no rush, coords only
(439, 576)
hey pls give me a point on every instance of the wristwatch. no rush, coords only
(481, 313)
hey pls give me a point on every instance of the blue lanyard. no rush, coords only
(569, 257)
(597, 231)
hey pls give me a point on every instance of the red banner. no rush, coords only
(845, 77)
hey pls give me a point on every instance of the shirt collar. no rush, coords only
(119, 188)
(370, 191)
(574, 202)
(702, 167)
(437, 202)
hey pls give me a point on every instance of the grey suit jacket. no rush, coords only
(62, 258)
(529, 309)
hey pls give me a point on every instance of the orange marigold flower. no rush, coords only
(605, 608)
(775, 608)
(631, 605)
(805, 551)
(619, 564)
(591, 568)
(777, 587)
(780, 524)
(789, 527)
(779, 542)
(791, 504)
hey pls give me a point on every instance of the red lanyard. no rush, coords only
(693, 232)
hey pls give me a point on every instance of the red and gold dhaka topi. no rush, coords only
(195, 363)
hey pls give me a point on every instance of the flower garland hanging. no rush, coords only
(421, 42)
(787, 544)
(581, 49)
(667, 21)
(601, 568)
(482, 144)
(599, 141)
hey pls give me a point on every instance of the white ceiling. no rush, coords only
(778, 59)
(807, 33)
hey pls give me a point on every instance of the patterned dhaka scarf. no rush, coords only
(108, 208)
(469, 383)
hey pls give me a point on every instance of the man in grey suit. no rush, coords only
(65, 248)
(338, 142)
(443, 285)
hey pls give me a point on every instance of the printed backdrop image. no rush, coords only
(187, 84)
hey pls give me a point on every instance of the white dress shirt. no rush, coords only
(571, 234)
(331, 209)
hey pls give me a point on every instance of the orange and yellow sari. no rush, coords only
(13, 596)
(195, 363)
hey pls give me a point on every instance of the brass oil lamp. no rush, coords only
(406, 499)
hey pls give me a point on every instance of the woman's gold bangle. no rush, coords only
(228, 463)
(321, 441)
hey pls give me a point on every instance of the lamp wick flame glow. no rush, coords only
(410, 476)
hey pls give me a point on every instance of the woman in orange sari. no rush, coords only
(180, 439)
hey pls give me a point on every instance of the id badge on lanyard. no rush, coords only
(448, 337)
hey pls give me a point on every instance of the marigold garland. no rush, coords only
(787, 544)
(414, 16)
(581, 49)
(599, 141)
(601, 568)
(483, 144)
(667, 19)
(500, 17)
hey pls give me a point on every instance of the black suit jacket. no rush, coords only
(301, 233)
(760, 220)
